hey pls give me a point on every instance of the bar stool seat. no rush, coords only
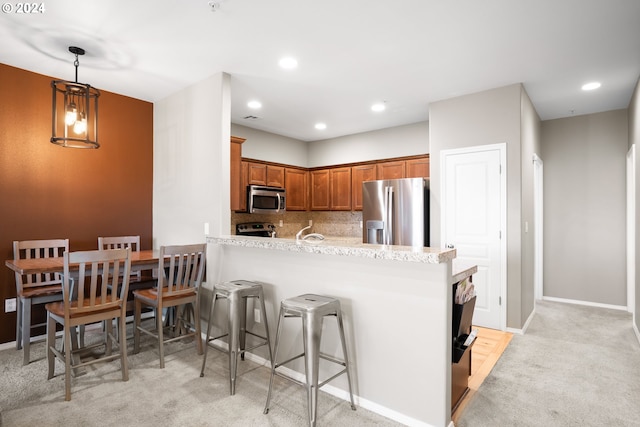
(311, 309)
(236, 293)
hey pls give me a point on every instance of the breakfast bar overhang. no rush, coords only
(397, 305)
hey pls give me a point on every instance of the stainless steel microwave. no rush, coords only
(262, 199)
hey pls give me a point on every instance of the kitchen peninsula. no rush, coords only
(397, 305)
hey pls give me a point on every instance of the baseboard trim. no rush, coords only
(344, 395)
(635, 329)
(587, 303)
(524, 328)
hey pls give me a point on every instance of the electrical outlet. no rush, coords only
(9, 305)
(256, 315)
(310, 223)
(281, 223)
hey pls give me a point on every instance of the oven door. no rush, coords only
(266, 199)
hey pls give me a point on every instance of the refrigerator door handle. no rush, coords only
(389, 214)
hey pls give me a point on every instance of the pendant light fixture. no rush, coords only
(74, 111)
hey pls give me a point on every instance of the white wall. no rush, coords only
(191, 163)
(397, 141)
(484, 118)
(585, 207)
(260, 145)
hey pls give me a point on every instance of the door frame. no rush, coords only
(502, 148)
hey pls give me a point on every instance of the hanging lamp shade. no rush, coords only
(74, 122)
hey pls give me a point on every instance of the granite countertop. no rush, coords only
(462, 270)
(345, 246)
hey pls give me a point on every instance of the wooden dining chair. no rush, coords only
(35, 289)
(180, 273)
(96, 292)
(137, 280)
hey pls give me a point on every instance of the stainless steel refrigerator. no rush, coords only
(396, 212)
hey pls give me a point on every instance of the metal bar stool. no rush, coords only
(236, 292)
(311, 309)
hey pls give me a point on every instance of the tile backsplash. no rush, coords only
(333, 223)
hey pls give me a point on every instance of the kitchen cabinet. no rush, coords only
(236, 193)
(263, 174)
(331, 189)
(244, 182)
(256, 173)
(341, 189)
(417, 168)
(360, 174)
(391, 170)
(275, 176)
(296, 183)
(320, 197)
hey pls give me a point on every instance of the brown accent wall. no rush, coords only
(47, 191)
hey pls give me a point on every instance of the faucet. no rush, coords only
(312, 237)
(299, 233)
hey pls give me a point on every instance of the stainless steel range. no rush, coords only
(261, 229)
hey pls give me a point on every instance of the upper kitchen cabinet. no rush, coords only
(237, 187)
(341, 189)
(331, 189)
(417, 168)
(275, 176)
(360, 174)
(296, 182)
(263, 174)
(320, 197)
(391, 170)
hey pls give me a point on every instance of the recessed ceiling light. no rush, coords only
(254, 104)
(321, 126)
(591, 86)
(379, 106)
(288, 63)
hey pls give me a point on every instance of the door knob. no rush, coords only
(450, 246)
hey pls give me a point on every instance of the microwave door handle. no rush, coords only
(278, 196)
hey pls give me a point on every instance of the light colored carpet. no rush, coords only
(575, 366)
(174, 396)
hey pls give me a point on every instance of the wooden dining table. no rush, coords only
(140, 261)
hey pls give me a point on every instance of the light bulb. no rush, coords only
(80, 126)
(72, 114)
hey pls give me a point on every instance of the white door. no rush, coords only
(473, 215)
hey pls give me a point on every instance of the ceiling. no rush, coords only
(405, 53)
